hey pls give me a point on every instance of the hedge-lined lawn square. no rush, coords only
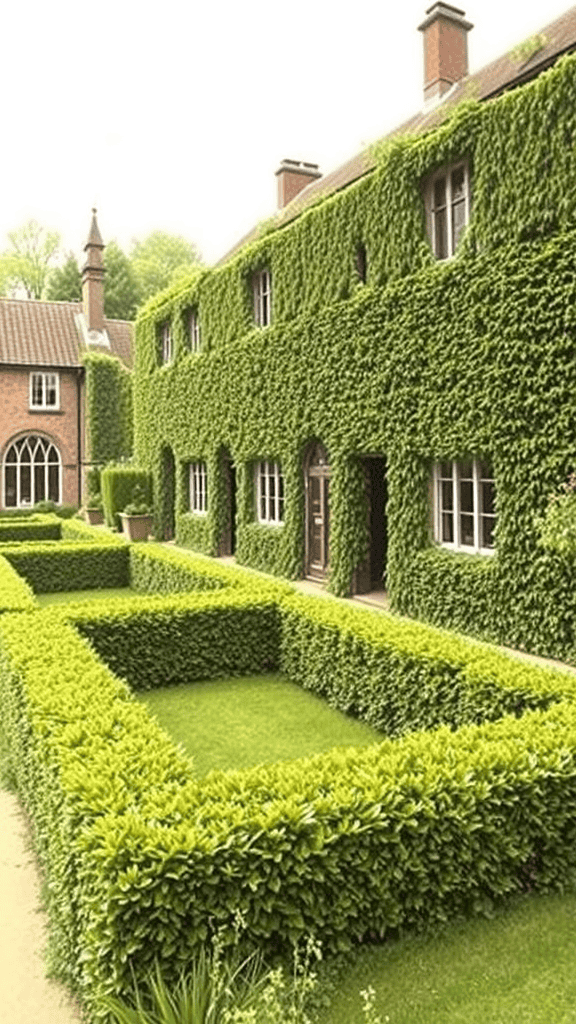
(238, 723)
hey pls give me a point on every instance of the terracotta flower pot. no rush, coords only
(136, 527)
(94, 516)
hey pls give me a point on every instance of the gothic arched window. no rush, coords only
(32, 472)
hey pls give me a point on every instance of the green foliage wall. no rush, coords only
(427, 361)
(119, 484)
(108, 408)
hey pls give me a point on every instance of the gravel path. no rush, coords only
(26, 995)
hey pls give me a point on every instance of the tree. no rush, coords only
(161, 259)
(121, 292)
(27, 264)
(65, 283)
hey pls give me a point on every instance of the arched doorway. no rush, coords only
(32, 472)
(317, 496)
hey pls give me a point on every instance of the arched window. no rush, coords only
(32, 472)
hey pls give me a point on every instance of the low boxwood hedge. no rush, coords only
(159, 641)
(15, 594)
(49, 566)
(37, 526)
(145, 863)
(157, 569)
(400, 676)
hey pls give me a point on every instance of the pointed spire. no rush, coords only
(94, 237)
(93, 278)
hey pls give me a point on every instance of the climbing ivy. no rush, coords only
(426, 361)
(108, 407)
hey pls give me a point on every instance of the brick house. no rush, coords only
(377, 386)
(43, 436)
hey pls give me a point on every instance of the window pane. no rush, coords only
(448, 527)
(25, 485)
(446, 470)
(486, 472)
(458, 223)
(51, 389)
(447, 496)
(10, 486)
(487, 526)
(458, 184)
(439, 193)
(440, 240)
(466, 470)
(467, 530)
(39, 483)
(53, 483)
(488, 496)
(466, 496)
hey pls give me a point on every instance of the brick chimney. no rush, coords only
(293, 176)
(93, 279)
(445, 49)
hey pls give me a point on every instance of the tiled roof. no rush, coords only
(45, 334)
(505, 73)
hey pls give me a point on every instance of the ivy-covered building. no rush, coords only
(378, 386)
(65, 390)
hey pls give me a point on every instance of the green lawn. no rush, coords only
(517, 968)
(63, 596)
(238, 723)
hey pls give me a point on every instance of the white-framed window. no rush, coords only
(32, 472)
(44, 391)
(262, 285)
(448, 202)
(193, 331)
(465, 505)
(270, 493)
(198, 488)
(166, 349)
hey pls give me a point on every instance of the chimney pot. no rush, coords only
(445, 31)
(293, 176)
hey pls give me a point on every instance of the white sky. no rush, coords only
(175, 115)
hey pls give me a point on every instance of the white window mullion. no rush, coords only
(456, 503)
(477, 503)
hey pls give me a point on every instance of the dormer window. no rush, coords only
(448, 208)
(262, 287)
(193, 331)
(166, 351)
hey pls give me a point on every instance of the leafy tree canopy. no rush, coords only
(26, 265)
(121, 290)
(160, 259)
(65, 283)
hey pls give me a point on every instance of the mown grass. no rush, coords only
(517, 968)
(64, 596)
(238, 723)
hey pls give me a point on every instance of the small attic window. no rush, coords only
(262, 294)
(165, 346)
(361, 263)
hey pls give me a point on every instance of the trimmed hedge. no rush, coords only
(162, 641)
(118, 484)
(400, 676)
(15, 594)
(36, 527)
(50, 566)
(155, 569)
(77, 529)
(144, 863)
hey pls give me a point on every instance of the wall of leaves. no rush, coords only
(109, 412)
(426, 361)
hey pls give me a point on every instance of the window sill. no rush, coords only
(44, 409)
(485, 552)
(268, 522)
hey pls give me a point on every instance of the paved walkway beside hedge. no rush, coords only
(26, 995)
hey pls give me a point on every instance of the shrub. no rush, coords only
(36, 527)
(15, 594)
(50, 566)
(118, 485)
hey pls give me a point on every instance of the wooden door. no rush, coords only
(317, 522)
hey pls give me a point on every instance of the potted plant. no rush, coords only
(137, 517)
(94, 510)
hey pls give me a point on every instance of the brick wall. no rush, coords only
(60, 426)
